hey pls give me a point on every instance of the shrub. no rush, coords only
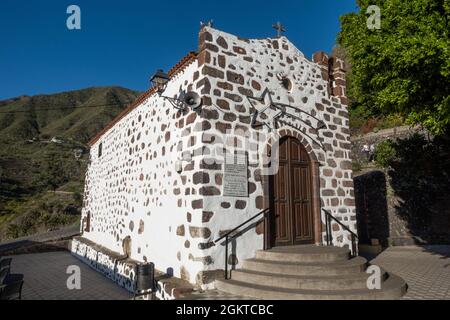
(356, 166)
(394, 120)
(78, 198)
(13, 231)
(385, 153)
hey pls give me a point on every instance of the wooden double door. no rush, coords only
(291, 196)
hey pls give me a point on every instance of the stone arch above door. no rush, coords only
(285, 132)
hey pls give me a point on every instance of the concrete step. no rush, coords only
(393, 288)
(304, 253)
(321, 282)
(344, 267)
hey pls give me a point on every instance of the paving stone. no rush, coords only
(45, 279)
(426, 269)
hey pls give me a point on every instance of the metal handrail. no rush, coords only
(227, 235)
(239, 226)
(329, 234)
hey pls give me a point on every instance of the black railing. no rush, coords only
(227, 235)
(329, 233)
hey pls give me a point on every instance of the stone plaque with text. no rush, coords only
(235, 180)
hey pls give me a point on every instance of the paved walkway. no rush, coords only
(45, 278)
(425, 269)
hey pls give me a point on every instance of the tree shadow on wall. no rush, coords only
(415, 205)
(419, 175)
(371, 207)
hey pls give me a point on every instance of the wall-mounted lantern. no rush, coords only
(160, 80)
(185, 100)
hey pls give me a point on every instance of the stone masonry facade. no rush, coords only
(137, 204)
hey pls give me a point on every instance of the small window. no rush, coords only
(100, 149)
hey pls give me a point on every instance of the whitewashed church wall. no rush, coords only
(172, 218)
(133, 189)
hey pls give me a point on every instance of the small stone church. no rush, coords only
(264, 153)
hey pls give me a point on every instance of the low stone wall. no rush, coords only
(122, 270)
(407, 203)
(381, 215)
(357, 142)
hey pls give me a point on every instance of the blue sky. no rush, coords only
(123, 42)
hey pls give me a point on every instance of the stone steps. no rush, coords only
(351, 266)
(324, 282)
(308, 272)
(308, 253)
(393, 288)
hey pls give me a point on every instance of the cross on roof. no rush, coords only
(280, 28)
(209, 23)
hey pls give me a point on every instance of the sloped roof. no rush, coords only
(172, 72)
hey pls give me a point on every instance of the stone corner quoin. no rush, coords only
(136, 203)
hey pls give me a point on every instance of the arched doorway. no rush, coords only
(291, 196)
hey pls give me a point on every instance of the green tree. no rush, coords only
(403, 67)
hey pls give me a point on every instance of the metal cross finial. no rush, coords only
(280, 28)
(210, 23)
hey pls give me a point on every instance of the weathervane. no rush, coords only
(280, 29)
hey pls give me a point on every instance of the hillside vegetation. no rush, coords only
(43, 149)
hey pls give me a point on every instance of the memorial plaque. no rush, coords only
(235, 180)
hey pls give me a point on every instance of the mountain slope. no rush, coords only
(77, 115)
(32, 167)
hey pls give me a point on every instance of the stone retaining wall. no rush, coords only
(122, 270)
